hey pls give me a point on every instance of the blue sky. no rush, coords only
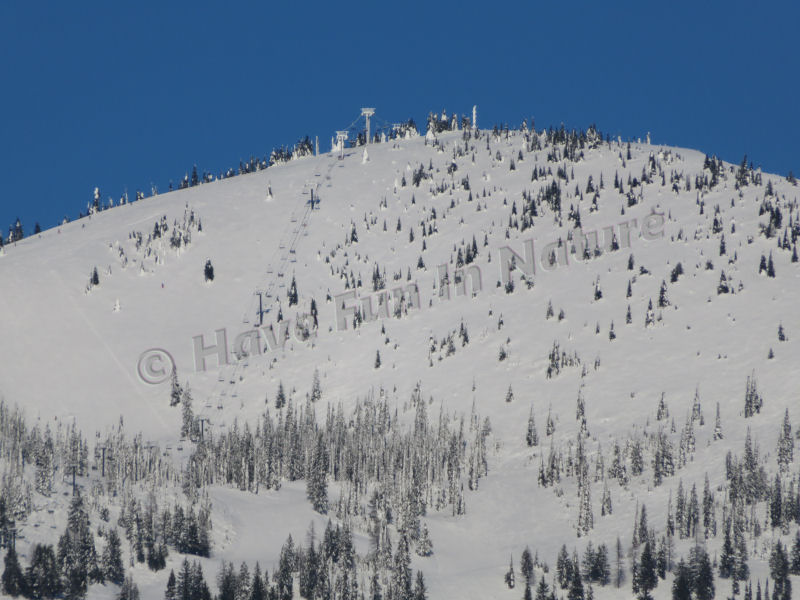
(122, 95)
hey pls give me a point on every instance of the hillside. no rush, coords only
(428, 389)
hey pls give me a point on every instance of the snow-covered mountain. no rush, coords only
(623, 305)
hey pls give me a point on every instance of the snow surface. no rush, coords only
(68, 353)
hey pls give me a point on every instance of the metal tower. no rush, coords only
(341, 136)
(367, 113)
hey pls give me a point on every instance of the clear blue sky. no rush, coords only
(119, 95)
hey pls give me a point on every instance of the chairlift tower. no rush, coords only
(341, 136)
(73, 465)
(261, 310)
(367, 113)
(203, 421)
(105, 450)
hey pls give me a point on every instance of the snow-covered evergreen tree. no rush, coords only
(531, 436)
(113, 569)
(785, 444)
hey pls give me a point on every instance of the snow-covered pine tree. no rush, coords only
(692, 513)
(420, 591)
(682, 584)
(670, 528)
(785, 444)
(113, 569)
(576, 590)
(794, 567)
(709, 518)
(752, 399)
(740, 566)
(170, 593)
(401, 576)
(175, 389)
(316, 390)
(650, 317)
(13, 579)
(722, 286)
(606, 507)
(564, 567)
(208, 271)
(531, 436)
(779, 570)
(44, 459)
(662, 412)
(316, 479)
(424, 545)
(526, 566)
(585, 514)
(697, 411)
(550, 425)
(129, 590)
(646, 577)
(776, 502)
(76, 551)
(663, 300)
(42, 575)
(258, 589)
(718, 426)
(187, 415)
(280, 397)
